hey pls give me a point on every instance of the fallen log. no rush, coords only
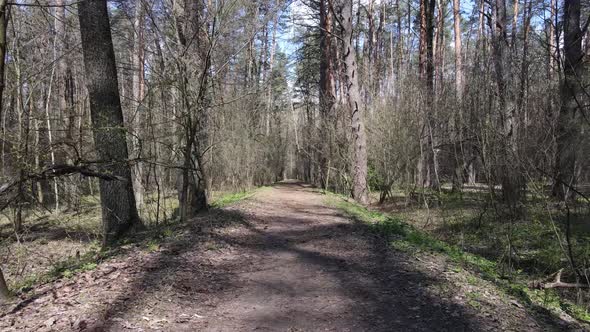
(556, 283)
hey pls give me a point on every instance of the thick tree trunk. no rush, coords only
(568, 128)
(508, 172)
(119, 212)
(359, 161)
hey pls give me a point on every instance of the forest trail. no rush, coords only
(282, 260)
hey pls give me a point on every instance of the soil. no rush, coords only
(282, 260)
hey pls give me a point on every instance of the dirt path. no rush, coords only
(283, 261)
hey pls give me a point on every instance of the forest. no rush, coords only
(427, 138)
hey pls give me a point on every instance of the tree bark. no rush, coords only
(427, 164)
(359, 161)
(192, 193)
(119, 213)
(269, 101)
(4, 292)
(551, 49)
(568, 128)
(327, 98)
(508, 172)
(458, 48)
(138, 92)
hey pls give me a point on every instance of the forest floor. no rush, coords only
(282, 260)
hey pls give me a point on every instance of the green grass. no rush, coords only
(406, 238)
(231, 198)
(228, 199)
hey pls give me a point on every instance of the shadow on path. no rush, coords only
(282, 261)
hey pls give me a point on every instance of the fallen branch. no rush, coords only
(57, 171)
(556, 283)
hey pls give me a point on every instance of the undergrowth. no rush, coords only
(404, 237)
(150, 240)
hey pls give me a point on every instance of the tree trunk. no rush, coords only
(269, 101)
(522, 89)
(422, 47)
(138, 92)
(4, 293)
(459, 159)
(119, 212)
(508, 173)
(3, 24)
(439, 46)
(551, 49)
(359, 161)
(568, 128)
(427, 164)
(327, 98)
(192, 194)
(59, 53)
(458, 58)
